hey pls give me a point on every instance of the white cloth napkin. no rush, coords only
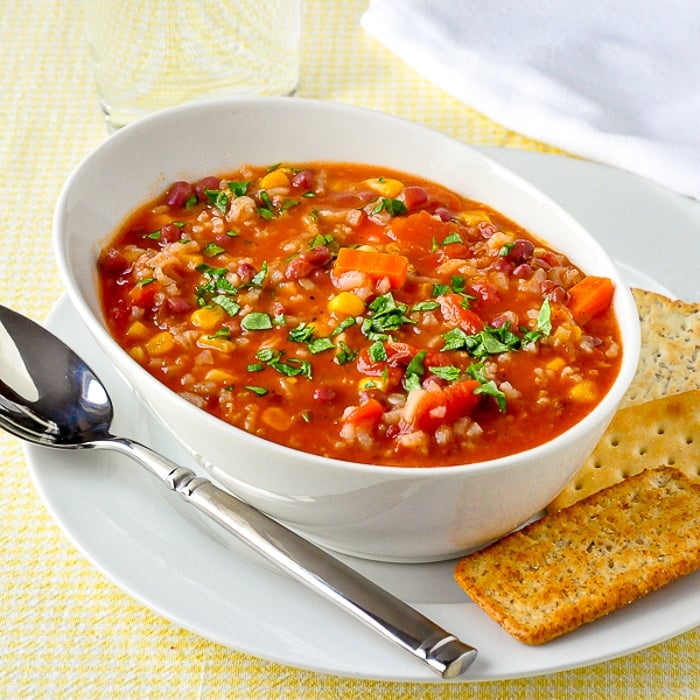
(616, 82)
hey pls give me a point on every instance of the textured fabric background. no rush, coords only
(67, 632)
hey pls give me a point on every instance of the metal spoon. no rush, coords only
(50, 397)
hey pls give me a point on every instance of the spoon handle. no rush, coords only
(313, 566)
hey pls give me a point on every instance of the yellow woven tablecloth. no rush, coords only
(67, 632)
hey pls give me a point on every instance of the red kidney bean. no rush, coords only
(169, 233)
(178, 305)
(502, 264)
(303, 180)
(178, 194)
(444, 213)
(206, 183)
(307, 262)
(523, 271)
(324, 394)
(114, 262)
(246, 272)
(521, 251)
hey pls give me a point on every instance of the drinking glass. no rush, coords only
(151, 54)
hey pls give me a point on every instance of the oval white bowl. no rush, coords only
(387, 513)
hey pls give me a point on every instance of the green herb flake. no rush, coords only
(230, 306)
(218, 198)
(346, 323)
(288, 204)
(145, 281)
(377, 352)
(344, 353)
(318, 345)
(223, 332)
(257, 321)
(211, 250)
(449, 373)
(303, 333)
(255, 367)
(453, 237)
(544, 318)
(239, 187)
(440, 290)
(425, 306)
(258, 390)
(154, 235)
(505, 249)
(414, 371)
(394, 207)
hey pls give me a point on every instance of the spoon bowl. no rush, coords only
(50, 397)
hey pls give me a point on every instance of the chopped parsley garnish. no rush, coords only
(425, 306)
(230, 306)
(239, 187)
(218, 198)
(344, 353)
(211, 250)
(414, 371)
(486, 386)
(259, 390)
(489, 341)
(257, 321)
(453, 237)
(216, 284)
(386, 315)
(377, 352)
(503, 252)
(145, 281)
(449, 373)
(394, 207)
(289, 368)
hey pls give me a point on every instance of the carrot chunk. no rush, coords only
(375, 265)
(428, 410)
(590, 297)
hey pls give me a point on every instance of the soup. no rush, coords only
(359, 313)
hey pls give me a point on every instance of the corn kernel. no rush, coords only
(346, 303)
(218, 376)
(220, 344)
(472, 218)
(367, 383)
(207, 318)
(556, 364)
(583, 392)
(385, 186)
(275, 178)
(160, 344)
(137, 330)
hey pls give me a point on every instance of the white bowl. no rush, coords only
(387, 513)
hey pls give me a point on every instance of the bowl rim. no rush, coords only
(623, 300)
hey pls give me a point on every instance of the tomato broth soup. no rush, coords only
(359, 313)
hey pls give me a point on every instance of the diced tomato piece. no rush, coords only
(142, 295)
(453, 311)
(428, 410)
(367, 414)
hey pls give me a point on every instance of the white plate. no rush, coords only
(145, 540)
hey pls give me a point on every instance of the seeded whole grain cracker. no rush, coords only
(670, 353)
(641, 436)
(581, 563)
